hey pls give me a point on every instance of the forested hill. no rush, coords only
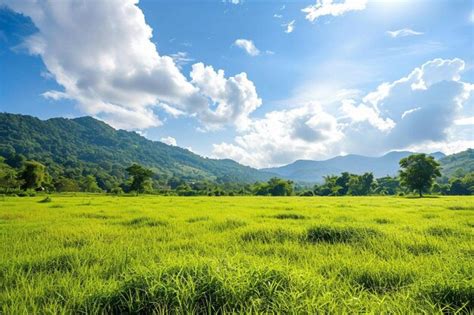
(83, 146)
(458, 164)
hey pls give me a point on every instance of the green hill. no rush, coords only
(458, 164)
(83, 146)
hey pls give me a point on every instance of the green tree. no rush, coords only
(64, 184)
(360, 185)
(8, 177)
(33, 175)
(280, 187)
(343, 182)
(387, 185)
(140, 177)
(89, 184)
(418, 172)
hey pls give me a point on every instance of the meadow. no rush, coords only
(151, 254)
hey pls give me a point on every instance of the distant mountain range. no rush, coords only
(83, 146)
(314, 171)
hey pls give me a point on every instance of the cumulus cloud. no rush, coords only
(289, 27)
(404, 32)
(236, 97)
(169, 141)
(248, 46)
(420, 107)
(101, 53)
(428, 109)
(304, 132)
(330, 7)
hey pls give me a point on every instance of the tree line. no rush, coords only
(418, 174)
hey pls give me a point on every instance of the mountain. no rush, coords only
(314, 171)
(82, 146)
(458, 164)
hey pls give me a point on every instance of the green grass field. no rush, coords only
(104, 254)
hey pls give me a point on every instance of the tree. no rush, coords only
(387, 185)
(89, 184)
(418, 172)
(360, 185)
(280, 187)
(140, 177)
(8, 177)
(33, 175)
(64, 184)
(343, 182)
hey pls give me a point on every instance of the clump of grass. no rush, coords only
(422, 249)
(381, 280)
(429, 216)
(338, 234)
(229, 224)
(289, 216)
(197, 219)
(57, 263)
(45, 200)
(196, 290)
(383, 221)
(56, 206)
(460, 208)
(269, 236)
(145, 222)
(94, 216)
(456, 297)
(75, 242)
(441, 231)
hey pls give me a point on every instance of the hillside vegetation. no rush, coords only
(458, 164)
(83, 146)
(95, 254)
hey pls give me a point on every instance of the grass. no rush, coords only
(101, 254)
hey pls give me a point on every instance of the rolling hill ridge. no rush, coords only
(91, 146)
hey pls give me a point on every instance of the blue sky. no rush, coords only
(349, 76)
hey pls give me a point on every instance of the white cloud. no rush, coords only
(102, 54)
(289, 27)
(55, 95)
(279, 137)
(420, 107)
(330, 7)
(366, 113)
(277, 16)
(248, 46)
(181, 58)
(465, 121)
(404, 32)
(410, 111)
(236, 97)
(169, 141)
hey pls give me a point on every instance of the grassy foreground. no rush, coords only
(96, 254)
